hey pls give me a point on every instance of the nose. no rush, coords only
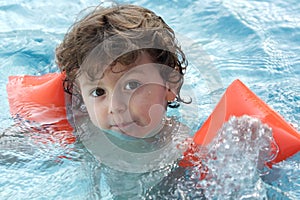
(117, 104)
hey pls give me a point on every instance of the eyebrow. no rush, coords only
(88, 80)
(95, 81)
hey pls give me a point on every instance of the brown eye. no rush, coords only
(98, 92)
(132, 85)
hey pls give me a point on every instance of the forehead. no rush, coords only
(116, 72)
(143, 71)
(95, 68)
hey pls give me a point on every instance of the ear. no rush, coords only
(174, 83)
(171, 95)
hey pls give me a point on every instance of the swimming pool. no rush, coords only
(255, 41)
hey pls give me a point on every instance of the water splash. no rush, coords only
(234, 161)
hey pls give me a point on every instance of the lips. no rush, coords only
(122, 125)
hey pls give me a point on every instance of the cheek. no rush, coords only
(97, 114)
(146, 98)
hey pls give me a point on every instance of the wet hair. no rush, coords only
(119, 34)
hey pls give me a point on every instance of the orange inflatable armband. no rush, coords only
(41, 100)
(239, 100)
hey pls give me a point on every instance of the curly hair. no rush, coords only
(119, 34)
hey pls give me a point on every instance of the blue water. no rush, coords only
(255, 41)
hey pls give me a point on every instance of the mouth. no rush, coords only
(122, 125)
(125, 128)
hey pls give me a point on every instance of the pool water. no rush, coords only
(257, 42)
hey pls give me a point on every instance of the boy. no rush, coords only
(123, 69)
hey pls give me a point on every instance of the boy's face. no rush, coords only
(131, 101)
